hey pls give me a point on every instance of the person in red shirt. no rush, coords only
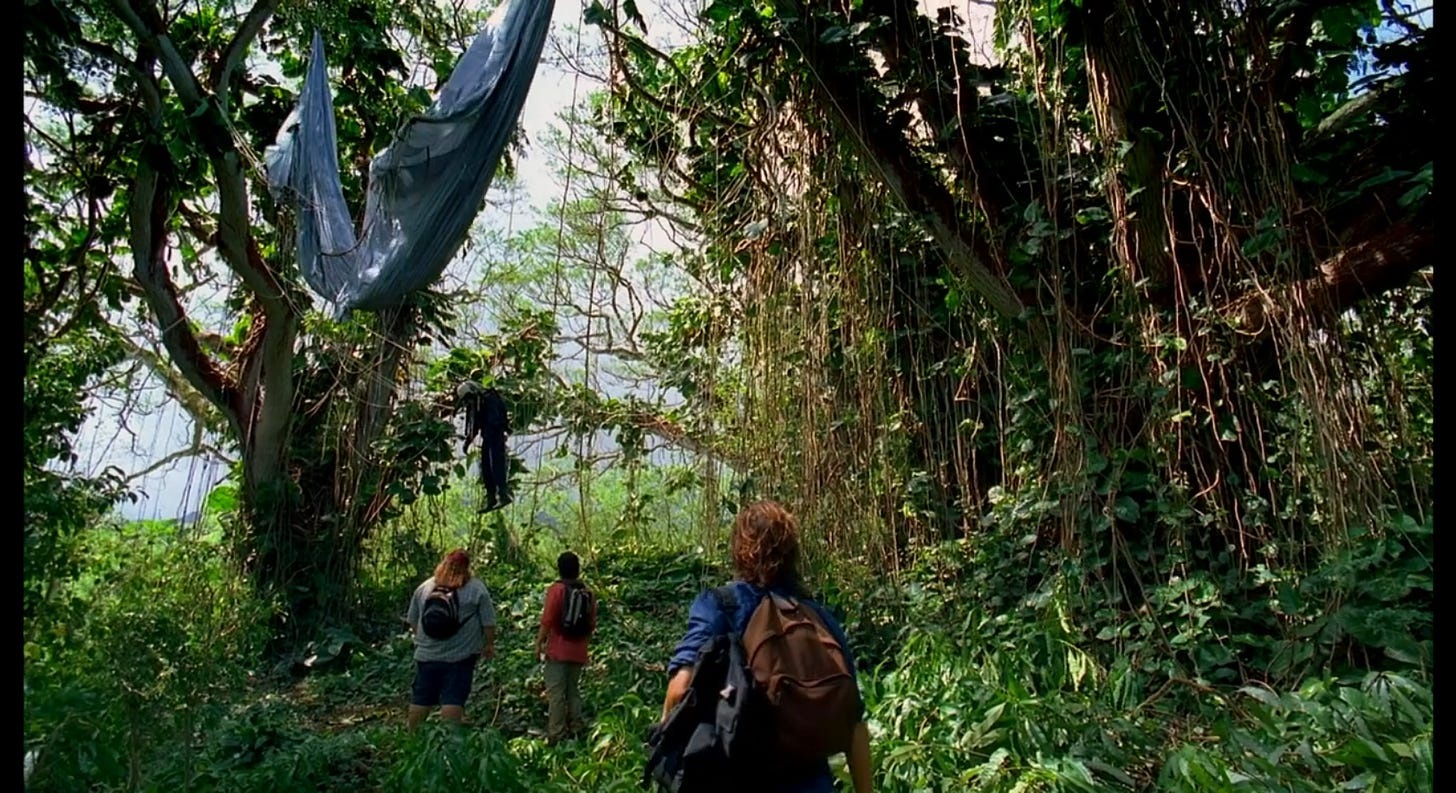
(567, 624)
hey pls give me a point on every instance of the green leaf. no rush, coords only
(992, 716)
(1126, 509)
(1413, 195)
(1306, 174)
(1402, 750)
(596, 14)
(1261, 242)
(720, 11)
(1405, 650)
(1339, 23)
(1288, 599)
(629, 7)
(833, 35)
(1309, 109)
(222, 500)
(1387, 175)
(1264, 695)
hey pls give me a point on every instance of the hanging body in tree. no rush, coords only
(486, 416)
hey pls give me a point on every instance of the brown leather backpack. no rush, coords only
(801, 670)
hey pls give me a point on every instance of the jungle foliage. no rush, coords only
(1146, 289)
(1091, 340)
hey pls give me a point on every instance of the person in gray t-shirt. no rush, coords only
(445, 668)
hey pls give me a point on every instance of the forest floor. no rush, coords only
(957, 699)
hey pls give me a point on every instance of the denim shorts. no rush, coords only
(443, 682)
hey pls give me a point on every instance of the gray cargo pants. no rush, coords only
(563, 695)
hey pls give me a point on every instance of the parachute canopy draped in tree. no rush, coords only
(426, 188)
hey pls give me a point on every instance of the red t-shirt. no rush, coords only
(558, 647)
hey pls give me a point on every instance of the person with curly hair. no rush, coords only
(765, 551)
(445, 667)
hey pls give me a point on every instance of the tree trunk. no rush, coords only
(1137, 188)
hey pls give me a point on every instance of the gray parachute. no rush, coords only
(426, 188)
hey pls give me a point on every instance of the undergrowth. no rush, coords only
(980, 672)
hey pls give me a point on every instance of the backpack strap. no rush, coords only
(727, 603)
(784, 602)
(726, 597)
(475, 614)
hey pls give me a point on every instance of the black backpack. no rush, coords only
(576, 611)
(713, 740)
(440, 618)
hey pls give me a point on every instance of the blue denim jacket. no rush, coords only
(706, 620)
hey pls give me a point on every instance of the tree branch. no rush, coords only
(50, 293)
(262, 419)
(145, 81)
(1384, 262)
(886, 152)
(150, 209)
(1349, 112)
(242, 39)
(678, 436)
(621, 40)
(234, 234)
(197, 447)
(950, 115)
(1394, 15)
(147, 24)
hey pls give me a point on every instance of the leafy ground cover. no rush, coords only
(960, 697)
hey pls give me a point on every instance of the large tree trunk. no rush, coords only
(1176, 241)
(288, 538)
(1137, 184)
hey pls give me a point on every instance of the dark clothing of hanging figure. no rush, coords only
(486, 415)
